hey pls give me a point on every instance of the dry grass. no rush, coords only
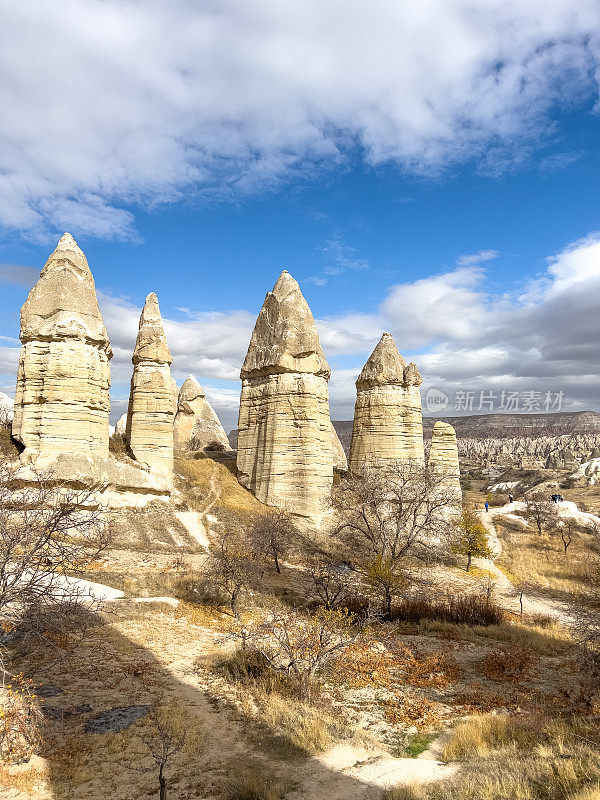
(546, 640)
(509, 758)
(194, 483)
(529, 559)
(470, 609)
(252, 782)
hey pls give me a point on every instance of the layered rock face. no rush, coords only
(388, 428)
(340, 461)
(443, 456)
(149, 430)
(285, 453)
(197, 427)
(63, 381)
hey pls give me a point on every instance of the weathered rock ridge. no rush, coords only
(62, 395)
(387, 429)
(197, 427)
(284, 433)
(149, 429)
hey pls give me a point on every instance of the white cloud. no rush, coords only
(477, 258)
(127, 102)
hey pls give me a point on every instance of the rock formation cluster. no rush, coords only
(149, 430)
(443, 456)
(284, 433)
(197, 427)
(388, 428)
(63, 380)
(287, 447)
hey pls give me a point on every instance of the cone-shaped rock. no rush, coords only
(443, 456)
(149, 429)
(62, 394)
(284, 441)
(197, 427)
(340, 461)
(388, 428)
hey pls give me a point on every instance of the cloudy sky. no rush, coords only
(429, 169)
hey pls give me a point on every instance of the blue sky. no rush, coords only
(428, 171)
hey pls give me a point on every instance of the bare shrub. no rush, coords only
(46, 533)
(299, 646)
(271, 534)
(330, 582)
(232, 568)
(541, 512)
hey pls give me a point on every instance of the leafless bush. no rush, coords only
(298, 645)
(231, 567)
(46, 533)
(541, 512)
(271, 534)
(329, 581)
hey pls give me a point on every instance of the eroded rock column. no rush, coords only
(443, 456)
(388, 427)
(62, 395)
(149, 430)
(197, 426)
(284, 442)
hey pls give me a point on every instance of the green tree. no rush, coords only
(470, 538)
(385, 579)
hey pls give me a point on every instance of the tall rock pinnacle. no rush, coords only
(388, 428)
(443, 456)
(197, 427)
(62, 394)
(284, 440)
(149, 430)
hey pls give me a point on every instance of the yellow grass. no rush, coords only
(196, 487)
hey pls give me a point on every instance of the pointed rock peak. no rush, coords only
(63, 303)
(285, 337)
(384, 365)
(68, 250)
(151, 343)
(190, 390)
(284, 285)
(151, 311)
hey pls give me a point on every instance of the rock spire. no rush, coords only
(63, 381)
(285, 442)
(443, 456)
(388, 428)
(149, 430)
(197, 427)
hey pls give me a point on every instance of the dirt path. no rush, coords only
(566, 613)
(197, 523)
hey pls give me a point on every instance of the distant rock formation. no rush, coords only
(590, 470)
(149, 430)
(62, 395)
(197, 427)
(7, 406)
(284, 433)
(552, 452)
(388, 428)
(121, 426)
(443, 456)
(340, 462)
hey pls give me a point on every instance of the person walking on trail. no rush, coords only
(511, 497)
(487, 507)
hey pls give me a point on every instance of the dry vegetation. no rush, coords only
(513, 699)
